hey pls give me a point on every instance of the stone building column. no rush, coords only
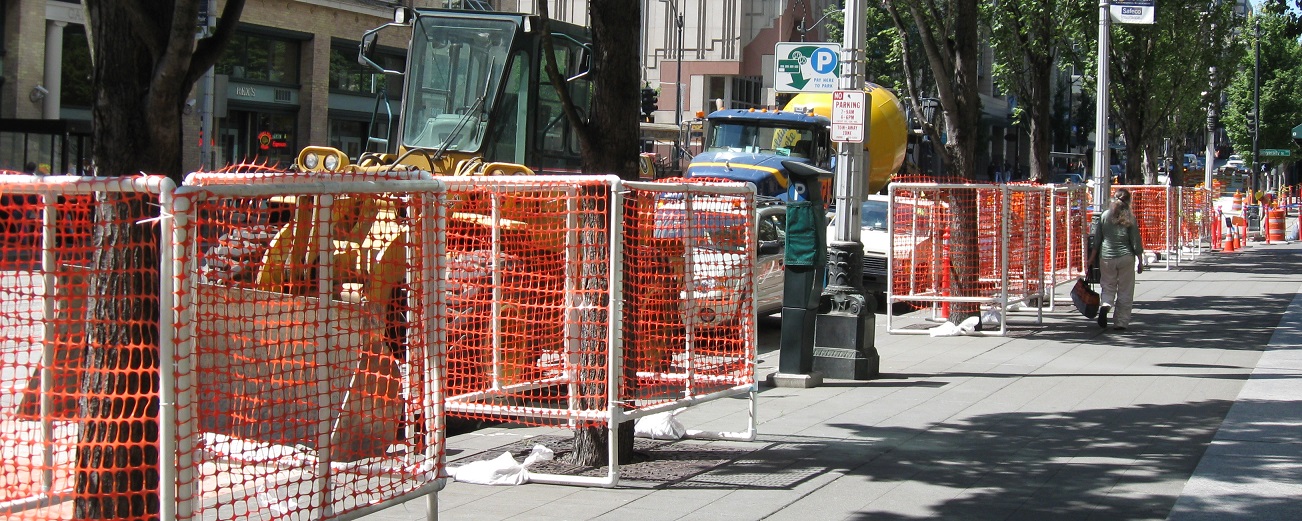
(53, 80)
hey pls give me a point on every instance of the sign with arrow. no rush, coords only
(807, 67)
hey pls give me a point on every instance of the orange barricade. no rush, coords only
(1067, 254)
(534, 263)
(307, 344)
(81, 335)
(997, 238)
(1275, 225)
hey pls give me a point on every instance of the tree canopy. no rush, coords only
(1281, 85)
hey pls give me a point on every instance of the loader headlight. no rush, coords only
(317, 159)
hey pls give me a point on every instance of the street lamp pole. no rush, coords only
(1102, 152)
(678, 89)
(845, 327)
(1213, 113)
(677, 17)
(1256, 102)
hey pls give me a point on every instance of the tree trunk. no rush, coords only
(117, 447)
(145, 62)
(961, 148)
(609, 145)
(1040, 124)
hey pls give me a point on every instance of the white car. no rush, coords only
(718, 287)
(1235, 161)
(913, 257)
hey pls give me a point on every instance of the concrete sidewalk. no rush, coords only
(1180, 416)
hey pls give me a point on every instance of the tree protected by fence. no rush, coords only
(315, 326)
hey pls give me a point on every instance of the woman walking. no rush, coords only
(1119, 253)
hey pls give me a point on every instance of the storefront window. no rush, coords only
(258, 137)
(260, 58)
(348, 135)
(346, 75)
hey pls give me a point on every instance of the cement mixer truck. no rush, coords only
(750, 145)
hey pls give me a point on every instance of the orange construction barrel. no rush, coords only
(1237, 206)
(1275, 220)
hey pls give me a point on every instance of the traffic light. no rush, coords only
(1252, 119)
(650, 101)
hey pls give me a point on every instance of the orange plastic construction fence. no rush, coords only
(79, 366)
(1158, 210)
(1068, 232)
(533, 268)
(308, 344)
(969, 244)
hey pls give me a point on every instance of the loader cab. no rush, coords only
(475, 87)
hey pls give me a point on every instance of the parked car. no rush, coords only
(1067, 178)
(913, 258)
(1235, 161)
(717, 258)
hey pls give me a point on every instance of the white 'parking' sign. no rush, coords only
(849, 111)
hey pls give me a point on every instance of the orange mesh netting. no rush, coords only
(1157, 215)
(689, 318)
(970, 240)
(529, 281)
(1195, 217)
(305, 347)
(78, 423)
(1066, 260)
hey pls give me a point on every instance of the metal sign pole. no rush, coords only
(844, 342)
(1102, 152)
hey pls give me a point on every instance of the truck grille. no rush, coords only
(873, 265)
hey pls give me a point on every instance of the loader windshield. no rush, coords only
(456, 66)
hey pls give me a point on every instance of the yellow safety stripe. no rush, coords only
(777, 174)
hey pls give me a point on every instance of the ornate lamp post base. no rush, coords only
(845, 328)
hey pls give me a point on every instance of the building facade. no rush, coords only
(290, 77)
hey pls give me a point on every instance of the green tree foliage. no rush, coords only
(1029, 39)
(883, 48)
(948, 37)
(1281, 86)
(1159, 74)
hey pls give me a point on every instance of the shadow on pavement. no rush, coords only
(1121, 463)
(1227, 321)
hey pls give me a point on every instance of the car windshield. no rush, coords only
(874, 215)
(456, 65)
(711, 230)
(756, 139)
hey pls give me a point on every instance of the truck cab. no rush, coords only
(750, 145)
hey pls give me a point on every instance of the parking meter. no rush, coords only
(805, 260)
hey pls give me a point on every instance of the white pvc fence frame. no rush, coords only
(1169, 251)
(1076, 238)
(178, 419)
(1002, 300)
(1204, 219)
(50, 188)
(615, 412)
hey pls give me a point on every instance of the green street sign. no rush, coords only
(1276, 152)
(807, 67)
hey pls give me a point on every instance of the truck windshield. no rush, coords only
(456, 66)
(760, 139)
(873, 216)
